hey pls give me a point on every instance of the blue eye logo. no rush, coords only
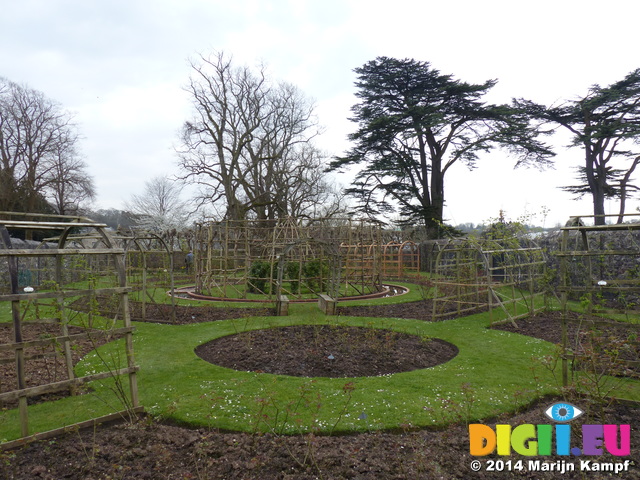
(563, 412)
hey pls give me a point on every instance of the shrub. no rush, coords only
(316, 273)
(259, 277)
(292, 273)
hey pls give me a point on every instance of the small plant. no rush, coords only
(90, 451)
(550, 362)
(426, 289)
(547, 283)
(277, 419)
(469, 398)
(112, 364)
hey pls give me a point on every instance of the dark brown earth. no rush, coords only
(326, 351)
(190, 314)
(420, 310)
(150, 449)
(180, 315)
(599, 343)
(47, 364)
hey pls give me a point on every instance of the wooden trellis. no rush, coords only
(234, 260)
(474, 274)
(592, 257)
(400, 259)
(149, 262)
(149, 255)
(598, 264)
(67, 269)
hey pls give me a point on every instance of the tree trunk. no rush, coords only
(624, 183)
(598, 204)
(437, 197)
(596, 179)
(432, 216)
(598, 210)
(433, 230)
(7, 191)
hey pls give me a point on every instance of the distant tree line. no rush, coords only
(249, 147)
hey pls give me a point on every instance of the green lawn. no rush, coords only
(494, 372)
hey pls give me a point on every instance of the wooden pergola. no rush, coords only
(592, 264)
(58, 272)
(471, 274)
(226, 253)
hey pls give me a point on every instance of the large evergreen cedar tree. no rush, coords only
(414, 124)
(605, 123)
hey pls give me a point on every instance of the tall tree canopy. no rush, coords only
(605, 123)
(249, 143)
(414, 123)
(39, 166)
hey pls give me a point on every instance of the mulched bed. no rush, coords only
(184, 314)
(326, 351)
(191, 314)
(50, 367)
(152, 450)
(419, 310)
(155, 451)
(588, 336)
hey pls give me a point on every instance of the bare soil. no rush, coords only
(44, 364)
(165, 313)
(607, 345)
(420, 310)
(154, 450)
(326, 351)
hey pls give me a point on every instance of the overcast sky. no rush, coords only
(120, 65)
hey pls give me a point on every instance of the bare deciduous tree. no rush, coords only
(249, 143)
(160, 207)
(37, 145)
(70, 186)
(227, 103)
(303, 189)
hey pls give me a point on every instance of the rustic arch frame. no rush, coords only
(472, 274)
(59, 294)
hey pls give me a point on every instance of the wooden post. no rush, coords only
(126, 316)
(327, 304)
(172, 281)
(489, 275)
(66, 344)
(563, 301)
(64, 327)
(282, 306)
(143, 295)
(585, 246)
(12, 263)
(59, 295)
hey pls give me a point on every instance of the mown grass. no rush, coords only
(494, 372)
